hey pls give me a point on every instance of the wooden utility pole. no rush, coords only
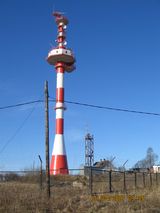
(47, 140)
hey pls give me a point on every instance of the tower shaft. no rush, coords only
(59, 159)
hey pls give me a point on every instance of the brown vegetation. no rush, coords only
(19, 196)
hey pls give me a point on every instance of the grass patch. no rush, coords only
(21, 197)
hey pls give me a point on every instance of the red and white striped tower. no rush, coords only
(63, 60)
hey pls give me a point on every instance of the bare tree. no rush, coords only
(151, 157)
(148, 161)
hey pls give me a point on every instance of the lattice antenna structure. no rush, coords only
(89, 150)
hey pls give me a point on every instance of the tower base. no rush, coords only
(59, 165)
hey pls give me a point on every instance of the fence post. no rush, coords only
(41, 179)
(90, 180)
(40, 172)
(135, 180)
(144, 182)
(124, 181)
(156, 178)
(150, 179)
(110, 181)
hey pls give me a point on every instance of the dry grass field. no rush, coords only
(22, 196)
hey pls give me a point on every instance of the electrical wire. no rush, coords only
(83, 104)
(110, 108)
(22, 124)
(20, 104)
(69, 102)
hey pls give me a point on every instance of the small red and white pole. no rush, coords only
(63, 60)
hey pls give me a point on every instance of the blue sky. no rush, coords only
(117, 49)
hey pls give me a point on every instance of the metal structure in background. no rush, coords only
(89, 150)
(63, 60)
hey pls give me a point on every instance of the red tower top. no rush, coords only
(61, 53)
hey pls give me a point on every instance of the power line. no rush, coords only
(20, 104)
(111, 108)
(69, 102)
(22, 124)
(85, 105)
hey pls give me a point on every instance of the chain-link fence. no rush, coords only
(104, 181)
(91, 180)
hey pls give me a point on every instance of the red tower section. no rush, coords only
(63, 60)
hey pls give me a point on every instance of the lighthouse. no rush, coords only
(63, 60)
